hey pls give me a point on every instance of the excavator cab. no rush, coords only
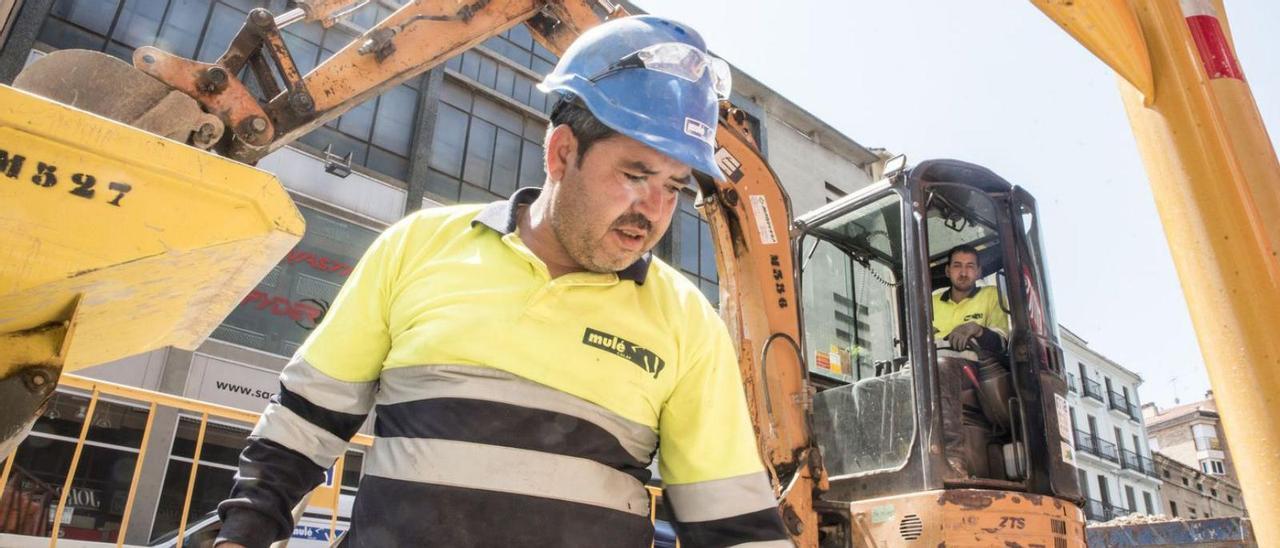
(919, 441)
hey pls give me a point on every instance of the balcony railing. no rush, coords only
(1130, 460)
(1084, 442)
(1208, 444)
(1096, 510)
(1114, 512)
(1107, 450)
(1092, 389)
(1135, 412)
(1118, 402)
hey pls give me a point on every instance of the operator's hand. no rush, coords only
(963, 334)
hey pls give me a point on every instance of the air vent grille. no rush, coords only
(911, 527)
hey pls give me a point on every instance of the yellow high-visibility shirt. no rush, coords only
(983, 308)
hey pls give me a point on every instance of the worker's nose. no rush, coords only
(647, 200)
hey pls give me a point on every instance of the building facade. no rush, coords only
(1190, 493)
(470, 130)
(1192, 434)
(1116, 472)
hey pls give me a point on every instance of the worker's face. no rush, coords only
(614, 203)
(963, 271)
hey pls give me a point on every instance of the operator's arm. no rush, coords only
(326, 391)
(995, 335)
(714, 482)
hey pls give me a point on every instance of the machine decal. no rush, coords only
(1068, 454)
(731, 167)
(881, 514)
(1064, 418)
(764, 222)
(779, 284)
(47, 175)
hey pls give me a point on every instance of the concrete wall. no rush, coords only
(806, 167)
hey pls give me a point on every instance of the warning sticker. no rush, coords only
(764, 223)
(1068, 454)
(1064, 419)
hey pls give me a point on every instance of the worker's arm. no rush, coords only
(715, 484)
(326, 391)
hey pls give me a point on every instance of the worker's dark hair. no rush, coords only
(586, 127)
(962, 248)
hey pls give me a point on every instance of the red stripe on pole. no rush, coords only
(1215, 52)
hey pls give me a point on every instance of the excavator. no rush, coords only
(134, 220)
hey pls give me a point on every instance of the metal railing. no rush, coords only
(1085, 442)
(1095, 510)
(97, 389)
(1130, 460)
(1107, 450)
(1092, 389)
(1205, 443)
(1135, 412)
(1118, 402)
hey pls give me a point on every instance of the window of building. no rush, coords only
(1173, 509)
(691, 249)
(377, 133)
(1192, 511)
(1131, 498)
(1231, 499)
(496, 74)
(1213, 467)
(99, 490)
(483, 150)
(1213, 492)
(1166, 473)
(278, 314)
(1146, 501)
(1199, 487)
(1185, 482)
(1206, 437)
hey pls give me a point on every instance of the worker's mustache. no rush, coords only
(634, 220)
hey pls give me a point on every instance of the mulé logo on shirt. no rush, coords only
(625, 349)
(975, 316)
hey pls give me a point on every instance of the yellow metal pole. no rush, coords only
(337, 496)
(1216, 183)
(137, 473)
(4, 475)
(191, 480)
(71, 474)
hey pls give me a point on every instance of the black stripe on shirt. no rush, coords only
(342, 425)
(763, 525)
(506, 425)
(391, 512)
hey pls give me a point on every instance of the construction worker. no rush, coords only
(966, 317)
(966, 313)
(527, 358)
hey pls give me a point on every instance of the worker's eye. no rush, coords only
(634, 177)
(674, 188)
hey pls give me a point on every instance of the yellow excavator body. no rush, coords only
(116, 241)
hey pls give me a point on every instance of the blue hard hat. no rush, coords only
(652, 80)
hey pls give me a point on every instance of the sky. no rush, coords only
(999, 84)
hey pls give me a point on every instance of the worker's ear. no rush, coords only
(562, 151)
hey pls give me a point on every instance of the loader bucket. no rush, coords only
(115, 241)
